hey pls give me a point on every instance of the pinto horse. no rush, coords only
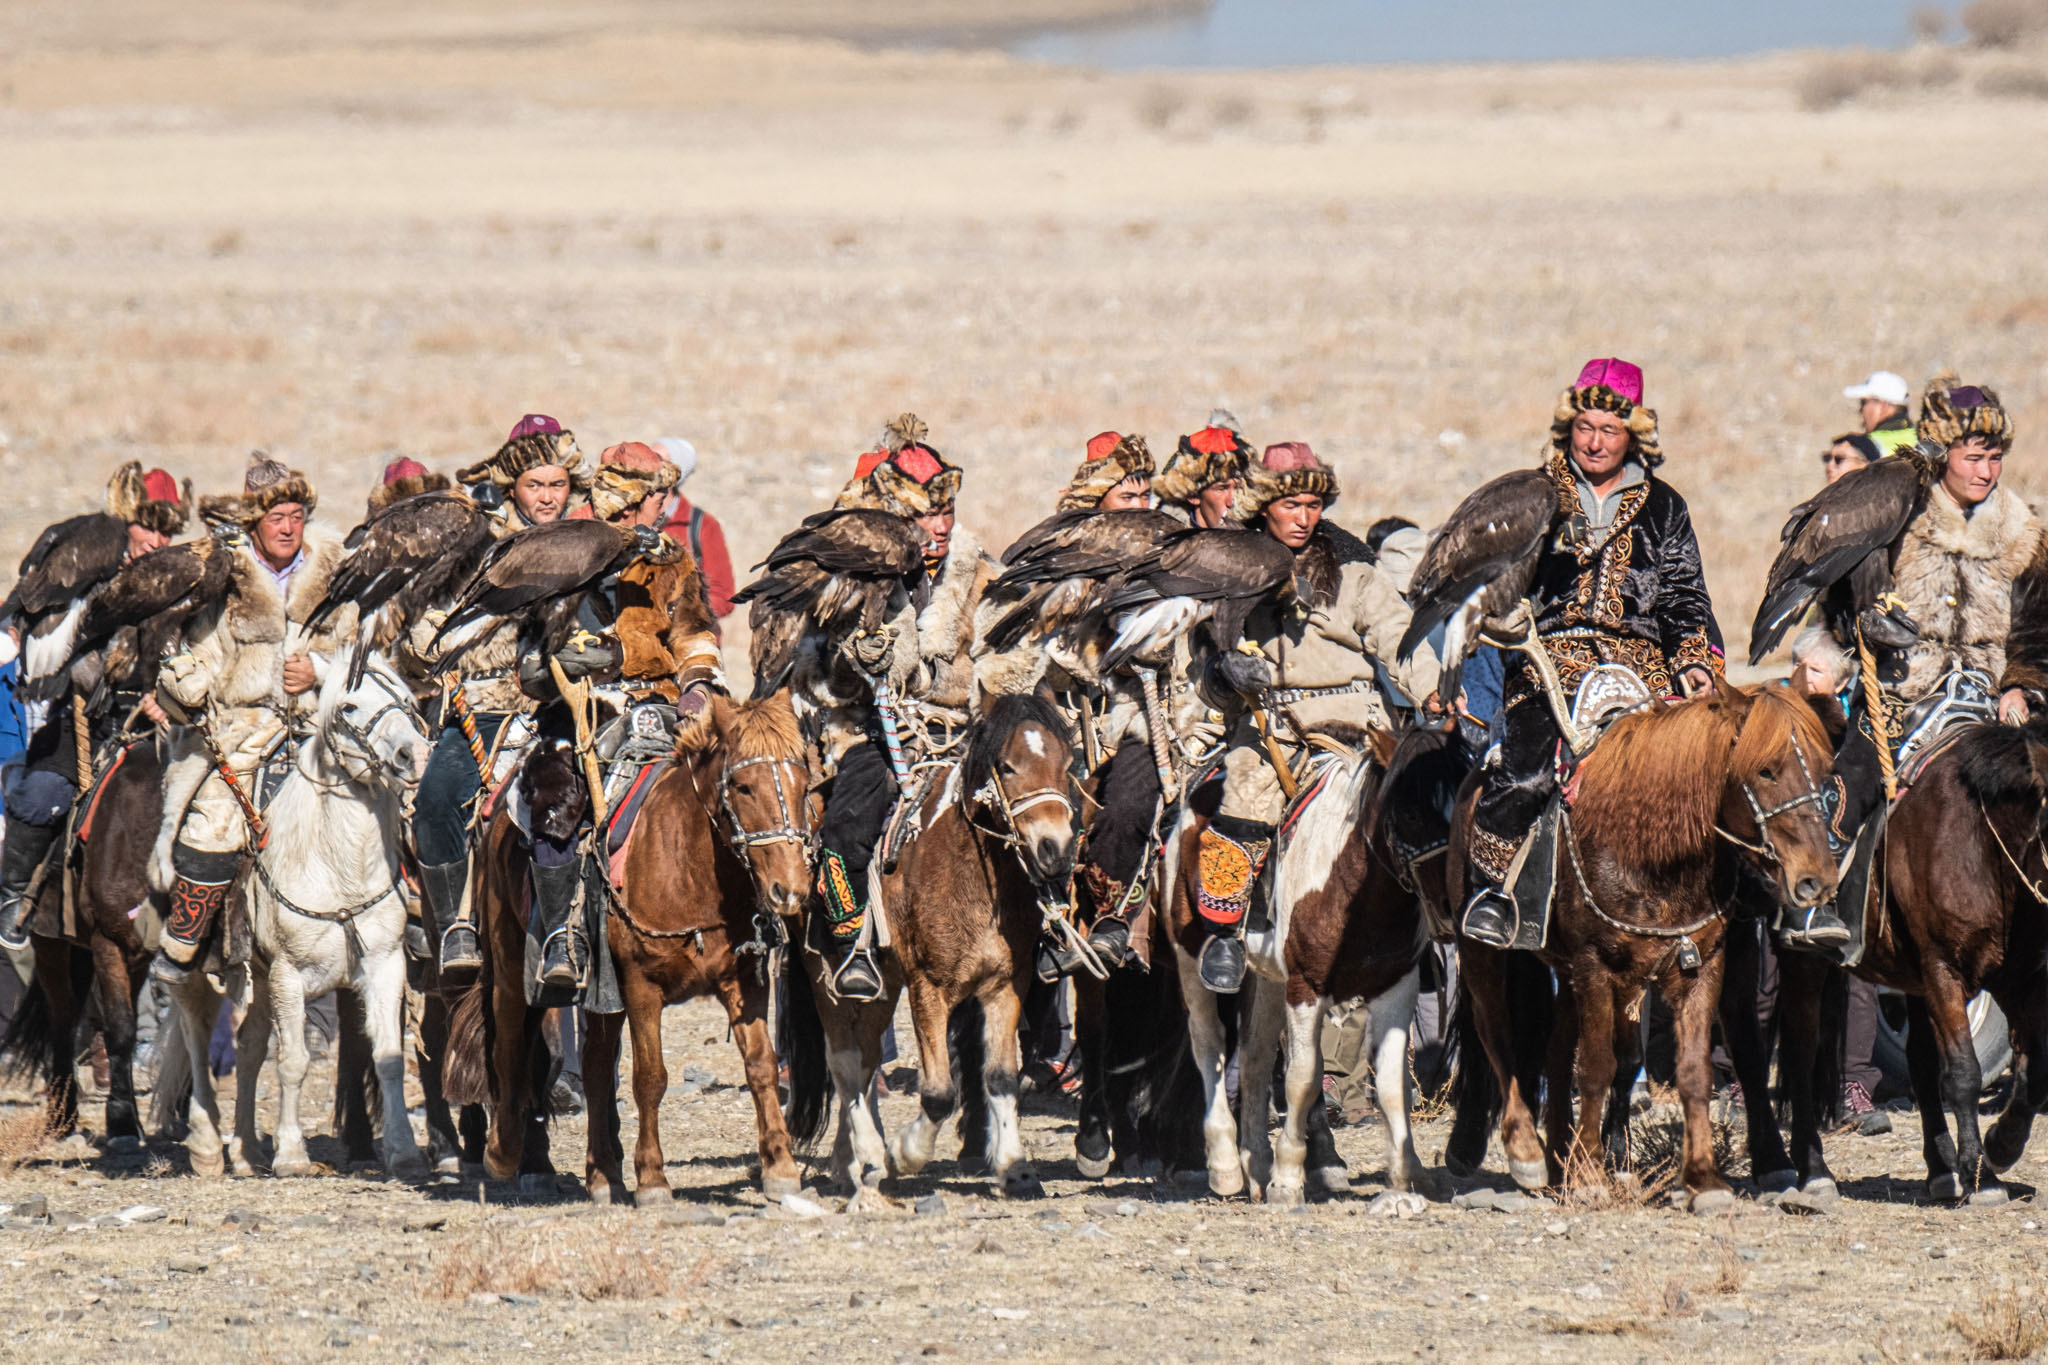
(1955, 907)
(1668, 796)
(716, 873)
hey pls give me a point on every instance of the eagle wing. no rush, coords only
(1481, 561)
(414, 555)
(837, 570)
(1196, 575)
(1830, 535)
(165, 585)
(67, 561)
(1063, 569)
(531, 572)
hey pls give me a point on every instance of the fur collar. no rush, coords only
(258, 609)
(2003, 530)
(946, 622)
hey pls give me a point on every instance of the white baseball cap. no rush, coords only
(1884, 386)
(679, 453)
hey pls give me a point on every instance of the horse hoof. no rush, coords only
(535, 1184)
(449, 1165)
(776, 1186)
(1226, 1182)
(472, 1170)
(1822, 1188)
(1282, 1198)
(1332, 1179)
(1427, 1183)
(1777, 1182)
(212, 1167)
(1093, 1168)
(647, 1196)
(1989, 1196)
(495, 1169)
(122, 1144)
(1022, 1183)
(292, 1170)
(1458, 1167)
(410, 1169)
(1530, 1175)
(1706, 1202)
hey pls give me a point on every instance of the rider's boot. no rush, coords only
(1489, 916)
(27, 846)
(855, 976)
(1820, 927)
(441, 888)
(554, 902)
(1232, 858)
(1109, 937)
(201, 889)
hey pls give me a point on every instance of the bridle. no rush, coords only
(995, 797)
(398, 700)
(789, 830)
(1764, 815)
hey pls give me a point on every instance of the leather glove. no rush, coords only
(870, 651)
(1890, 629)
(1246, 674)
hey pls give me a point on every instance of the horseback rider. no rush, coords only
(1936, 642)
(532, 479)
(1309, 670)
(917, 688)
(41, 788)
(244, 681)
(1201, 477)
(1618, 581)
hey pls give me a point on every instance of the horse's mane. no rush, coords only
(1004, 717)
(762, 728)
(1648, 785)
(1776, 718)
(1997, 764)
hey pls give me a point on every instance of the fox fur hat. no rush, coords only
(537, 440)
(1112, 458)
(1216, 454)
(1608, 385)
(153, 499)
(266, 483)
(404, 478)
(627, 475)
(903, 474)
(1286, 470)
(1951, 411)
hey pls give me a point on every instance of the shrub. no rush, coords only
(1835, 80)
(2004, 23)
(2008, 1325)
(1158, 105)
(2014, 82)
(1929, 23)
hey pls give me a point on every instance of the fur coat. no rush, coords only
(1955, 575)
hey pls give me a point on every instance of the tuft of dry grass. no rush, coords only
(1158, 105)
(1834, 80)
(23, 1136)
(590, 1259)
(1930, 23)
(2008, 1324)
(2014, 82)
(1231, 111)
(2004, 23)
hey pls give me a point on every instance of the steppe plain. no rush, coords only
(341, 231)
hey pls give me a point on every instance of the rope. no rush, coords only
(81, 743)
(1873, 701)
(2017, 870)
(1571, 845)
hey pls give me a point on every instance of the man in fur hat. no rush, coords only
(403, 478)
(247, 676)
(144, 512)
(922, 656)
(1202, 475)
(532, 478)
(1618, 581)
(1298, 673)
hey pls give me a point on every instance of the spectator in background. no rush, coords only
(697, 529)
(1881, 401)
(13, 742)
(1849, 451)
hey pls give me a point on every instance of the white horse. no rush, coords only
(1343, 927)
(324, 912)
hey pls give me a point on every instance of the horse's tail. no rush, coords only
(1148, 1068)
(803, 1048)
(465, 1061)
(35, 1046)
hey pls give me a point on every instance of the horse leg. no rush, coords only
(252, 1051)
(429, 1054)
(1628, 1067)
(1598, 1010)
(1560, 1072)
(746, 1005)
(57, 978)
(288, 1027)
(1391, 1015)
(1002, 1060)
(1092, 1152)
(1742, 957)
(383, 996)
(1693, 998)
(853, 1053)
(1264, 1015)
(512, 1043)
(353, 1066)
(604, 1175)
(1484, 971)
(1801, 977)
(1206, 1041)
(1923, 1068)
(116, 991)
(199, 1006)
(536, 1161)
(1287, 1178)
(938, 1093)
(2026, 1010)
(1962, 1083)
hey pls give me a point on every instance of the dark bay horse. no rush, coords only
(1667, 798)
(715, 874)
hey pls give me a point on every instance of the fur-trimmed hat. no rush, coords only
(404, 478)
(266, 483)
(903, 474)
(626, 475)
(153, 500)
(537, 440)
(1951, 411)
(1608, 385)
(1216, 454)
(1287, 470)
(1111, 459)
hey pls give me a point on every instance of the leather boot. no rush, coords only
(1820, 928)
(554, 899)
(441, 888)
(1233, 857)
(27, 846)
(1489, 915)
(855, 975)
(196, 899)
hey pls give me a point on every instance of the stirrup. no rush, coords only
(856, 978)
(1822, 931)
(460, 956)
(1222, 964)
(1484, 920)
(1110, 937)
(561, 971)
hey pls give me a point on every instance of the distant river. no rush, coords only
(1261, 33)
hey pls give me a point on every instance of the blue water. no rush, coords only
(1262, 33)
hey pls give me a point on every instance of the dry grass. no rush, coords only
(2004, 23)
(1930, 23)
(1832, 81)
(1158, 105)
(23, 1137)
(2008, 1324)
(2014, 82)
(591, 1259)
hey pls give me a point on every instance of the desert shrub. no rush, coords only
(2014, 82)
(2004, 23)
(590, 1259)
(1836, 79)
(1158, 105)
(2008, 1324)
(1929, 23)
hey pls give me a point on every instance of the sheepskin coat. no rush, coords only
(1955, 574)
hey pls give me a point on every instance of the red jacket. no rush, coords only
(708, 549)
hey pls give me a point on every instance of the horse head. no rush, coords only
(369, 724)
(1018, 769)
(1771, 802)
(764, 806)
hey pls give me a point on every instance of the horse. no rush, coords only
(1344, 926)
(1667, 800)
(1954, 907)
(325, 910)
(717, 869)
(102, 971)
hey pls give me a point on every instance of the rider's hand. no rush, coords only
(1695, 681)
(871, 650)
(153, 711)
(298, 675)
(2012, 707)
(692, 703)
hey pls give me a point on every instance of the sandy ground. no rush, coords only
(1123, 1268)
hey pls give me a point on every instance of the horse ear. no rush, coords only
(1828, 707)
(1383, 744)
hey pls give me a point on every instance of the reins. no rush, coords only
(2033, 888)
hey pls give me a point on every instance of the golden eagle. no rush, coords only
(836, 573)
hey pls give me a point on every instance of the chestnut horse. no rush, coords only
(1665, 797)
(716, 874)
(1955, 907)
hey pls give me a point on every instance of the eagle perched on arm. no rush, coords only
(408, 557)
(1843, 532)
(1479, 564)
(1064, 569)
(1197, 575)
(836, 573)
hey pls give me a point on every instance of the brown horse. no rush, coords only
(107, 963)
(965, 906)
(716, 874)
(1666, 796)
(1955, 907)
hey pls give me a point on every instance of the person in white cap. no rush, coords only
(698, 529)
(1883, 399)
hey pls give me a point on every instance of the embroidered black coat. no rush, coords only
(1639, 598)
